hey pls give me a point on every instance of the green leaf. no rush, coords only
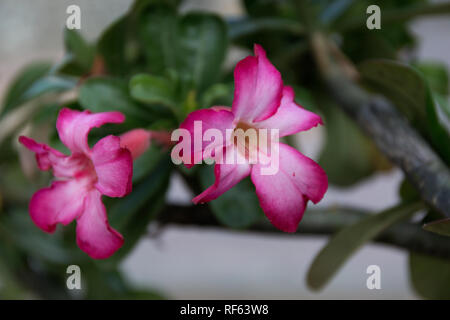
(23, 81)
(112, 46)
(334, 10)
(194, 45)
(132, 214)
(436, 75)
(157, 34)
(441, 227)
(410, 93)
(348, 155)
(218, 94)
(430, 276)
(402, 85)
(49, 83)
(347, 241)
(245, 26)
(102, 94)
(238, 207)
(439, 125)
(81, 52)
(152, 90)
(146, 163)
(202, 46)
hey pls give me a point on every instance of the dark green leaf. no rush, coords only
(430, 276)
(247, 26)
(202, 46)
(157, 34)
(218, 94)
(347, 241)
(112, 46)
(348, 155)
(194, 45)
(238, 207)
(402, 85)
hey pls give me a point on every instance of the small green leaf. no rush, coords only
(347, 241)
(102, 94)
(152, 90)
(430, 276)
(441, 227)
(238, 207)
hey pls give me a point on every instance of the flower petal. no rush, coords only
(74, 126)
(114, 167)
(60, 203)
(212, 118)
(290, 118)
(227, 176)
(137, 141)
(258, 88)
(48, 158)
(94, 235)
(284, 195)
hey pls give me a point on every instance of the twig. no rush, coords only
(319, 222)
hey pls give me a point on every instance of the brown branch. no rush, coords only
(389, 130)
(326, 221)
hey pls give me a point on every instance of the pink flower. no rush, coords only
(261, 101)
(81, 180)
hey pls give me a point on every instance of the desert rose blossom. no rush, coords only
(261, 101)
(81, 179)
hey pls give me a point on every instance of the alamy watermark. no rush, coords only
(73, 281)
(374, 280)
(241, 145)
(74, 19)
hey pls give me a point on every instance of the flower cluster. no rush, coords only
(261, 101)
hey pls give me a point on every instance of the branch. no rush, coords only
(328, 221)
(389, 130)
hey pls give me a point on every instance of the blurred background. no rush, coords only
(189, 262)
